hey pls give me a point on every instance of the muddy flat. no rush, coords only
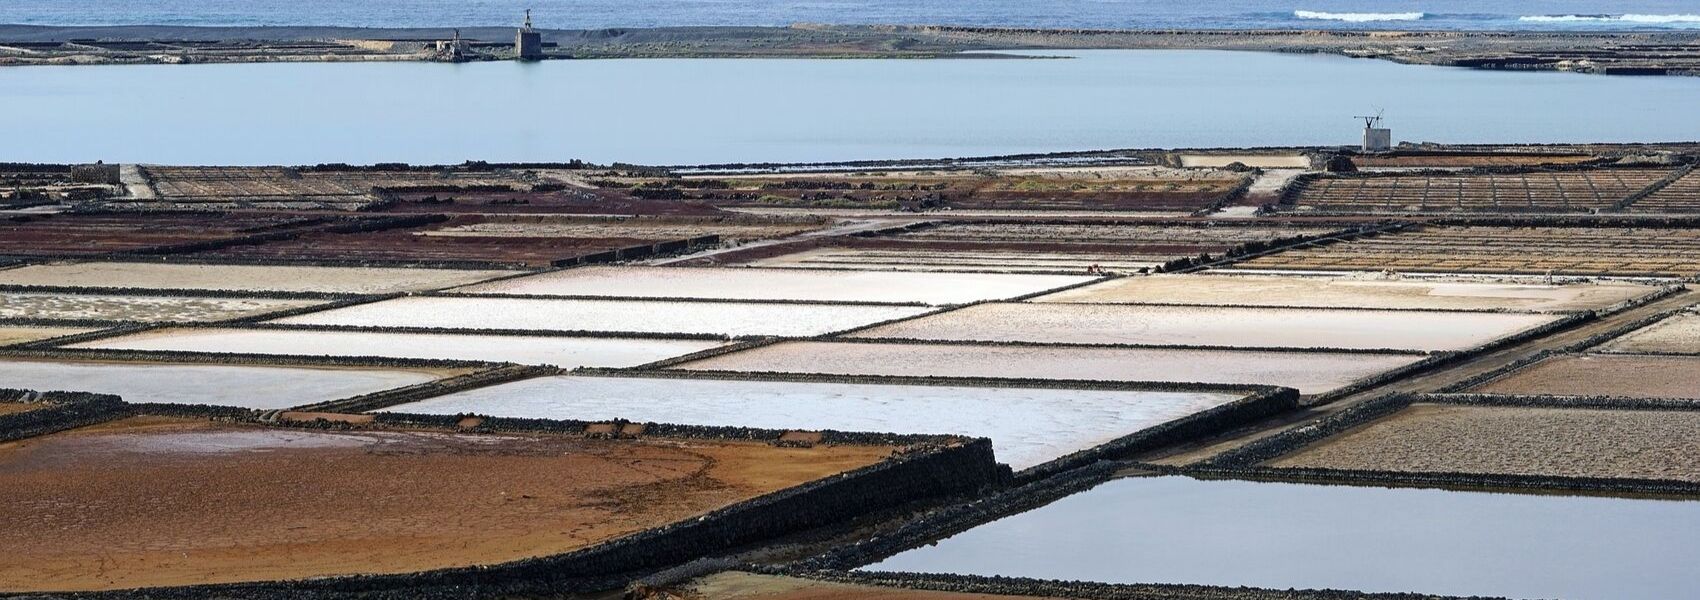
(1605, 375)
(1563, 442)
(155, 502)
(1344, 292)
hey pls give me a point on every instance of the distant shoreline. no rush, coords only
(1611, 53)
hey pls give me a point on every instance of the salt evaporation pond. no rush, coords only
(1024, 424)
(1283, 535)
(1344, 292)
(565, 352)
(1308, 372)
(640, 316)
(348, 280)
(1213, 326)
(224, 385)
(778, 284)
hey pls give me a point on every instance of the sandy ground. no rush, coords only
(1677, 334)
(1212, 326)
(749, 586)
(137, 308)
(354, 280)
(1521, 441)
(565, 352)
(1606, 375)
(777, 284)
(1346, 292)
(19, 335)
(12, 408)
(1309, 372)
(724, 318)
(150, 502)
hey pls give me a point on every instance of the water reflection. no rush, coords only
(1281, 535)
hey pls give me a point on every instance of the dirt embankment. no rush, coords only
(1629, 53)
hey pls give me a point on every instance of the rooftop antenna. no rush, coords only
(1371, 122)
(1376, 138)
(528, 19)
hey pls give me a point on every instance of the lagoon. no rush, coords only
(692, 111)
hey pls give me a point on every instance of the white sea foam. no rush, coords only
(1358, 17)
(1626, 18)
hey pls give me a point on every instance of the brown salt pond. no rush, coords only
(1560, 442)
(173, 502)
(1605, 375)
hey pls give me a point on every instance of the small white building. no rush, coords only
(1377, 139)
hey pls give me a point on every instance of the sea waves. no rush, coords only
(1358, 17)
(1625, 18)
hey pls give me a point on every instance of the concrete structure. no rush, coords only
(1377, 139)
(528, 44)
(454, 50)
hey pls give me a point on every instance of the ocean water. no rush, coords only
(694, 111)
(579, 14)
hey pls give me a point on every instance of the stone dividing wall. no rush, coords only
(1285, 442)
(1250, 250)
(693, 299)
(1447, 358)
(1043, 588)
(1594, 340)
(1024, 344)
(90, 354)
(935, 466)
(244, 324)
(439, 387)
(939, 380)
(61, 411)
(957, 518)
(176, 293)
